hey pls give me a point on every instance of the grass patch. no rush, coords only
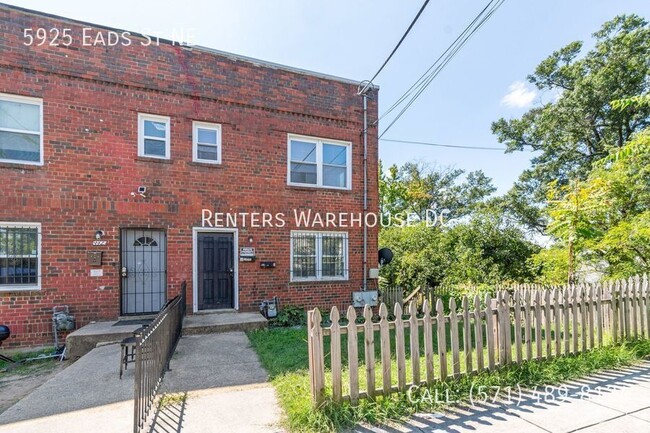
(283, 353)
(21, 367)
(174, 399)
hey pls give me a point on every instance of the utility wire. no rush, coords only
(423, 82)
(408, 30)
(455, 146)
(422, 78)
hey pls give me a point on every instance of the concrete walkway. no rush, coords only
(217, 381)
(613, 401)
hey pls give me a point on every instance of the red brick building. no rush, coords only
(124, 150)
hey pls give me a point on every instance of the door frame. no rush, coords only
(195, 263)
(121, 264)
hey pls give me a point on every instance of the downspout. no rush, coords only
(363, 91)
(365, 190)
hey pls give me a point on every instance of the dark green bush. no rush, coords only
(291, 315)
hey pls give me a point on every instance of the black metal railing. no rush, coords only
(154, 348)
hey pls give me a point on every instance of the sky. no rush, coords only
(352, 38)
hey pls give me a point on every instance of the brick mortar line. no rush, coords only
(186, 95)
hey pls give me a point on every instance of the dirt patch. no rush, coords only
(16, 384)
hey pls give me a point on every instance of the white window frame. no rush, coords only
(319, 161)
(26, 287)
(154, 118)
(25, 100)
(195, 141)
(319, 256)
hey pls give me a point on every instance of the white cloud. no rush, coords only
(519, 95)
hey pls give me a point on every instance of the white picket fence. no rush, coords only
(483, 334)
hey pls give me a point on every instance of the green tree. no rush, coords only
(415, 188)
(581, 126)
(605, 219)
(482, 249)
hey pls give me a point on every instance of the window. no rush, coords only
(145, 241)
(319, 163)
(319, 256)
(21, 136)
(20, 258)
(153, 136)
(206, 142)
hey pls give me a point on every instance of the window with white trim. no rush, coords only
(153, 136)
(20, 258)
(319, 162)
(21, 129)
(319, 256)
(206, 142)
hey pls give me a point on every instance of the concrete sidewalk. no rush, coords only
(220, 385)
(612, 401)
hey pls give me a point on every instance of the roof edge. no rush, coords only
(226, 54)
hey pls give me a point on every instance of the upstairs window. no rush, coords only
(206, 142)
(21, 136)
(319, 162)
(153, 136)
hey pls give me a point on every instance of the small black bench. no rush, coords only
(127, 349)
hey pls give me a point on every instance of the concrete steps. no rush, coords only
(86, 338)
(215, 323)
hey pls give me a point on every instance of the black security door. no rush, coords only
(144, 271)
(215, 270)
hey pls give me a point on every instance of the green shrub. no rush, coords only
(291, 315)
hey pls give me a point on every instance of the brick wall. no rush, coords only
(91, 100)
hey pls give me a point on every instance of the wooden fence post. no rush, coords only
(399, 349)
(353, 355)
(583, 317)
(335, 354)
(646, 303)
(634, 330)
(625, 310)
(427, 329)
(384, 338)
(489, 330)
(557, 317)
(591, 306)
(317, 363)
(467, 335)
(547, 323)
(478, 332)
(517, 328)
(442, 339)
(507, 327)
(415, 342)
(538, 325)
(528, 332)
(600, 323)
(369, 338)
(576, 324)
(614, 312)
(453, 335)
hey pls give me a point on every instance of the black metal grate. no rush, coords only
(319, 255)
(144, 270)
(19, 260)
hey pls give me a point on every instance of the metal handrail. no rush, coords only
(154, 348)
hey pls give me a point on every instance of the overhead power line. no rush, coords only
(430, 74)
(408, 30)
(454, 146)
